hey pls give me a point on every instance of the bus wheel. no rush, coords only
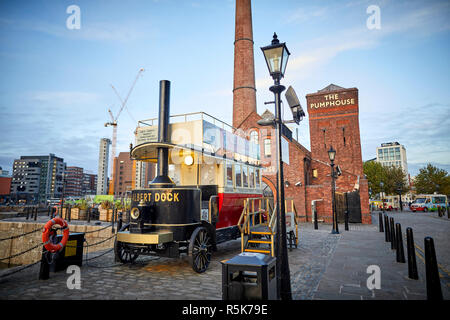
(200, 248)
(124, 254)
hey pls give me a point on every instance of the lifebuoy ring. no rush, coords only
(52, 247)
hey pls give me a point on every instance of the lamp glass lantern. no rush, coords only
(331, 154)
(277, 56)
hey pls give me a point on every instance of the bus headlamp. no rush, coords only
(134, 213)
(189, 160)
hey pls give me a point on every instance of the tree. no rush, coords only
(374, 172)
(432, 179)
(395, 178)
(392, 177)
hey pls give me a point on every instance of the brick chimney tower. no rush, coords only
(244, 91)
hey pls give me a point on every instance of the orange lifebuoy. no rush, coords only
(48, 229)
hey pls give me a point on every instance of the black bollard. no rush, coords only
(119, 223)
(44, 271)
(392, 230)
(380, 222)
(112, 220)
(387, 233)
(89, 214)
(49, 209)
(27, 210)
(69, 211)
(400, 251)
(35, 213)
(448, 212)
(412, 264)
(316, 223)
(434, 291)
(346, 220)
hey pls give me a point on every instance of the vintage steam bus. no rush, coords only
(204, 173)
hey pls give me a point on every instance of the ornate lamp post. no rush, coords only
(382, 196)
(331, 156)
(277, 55)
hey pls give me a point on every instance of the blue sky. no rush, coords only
(55, 86)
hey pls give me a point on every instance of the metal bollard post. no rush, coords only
(434, 291)
(49, 209)
(448, 212)
(380, 222)
(387, 233)
(392, 229)
(89, 214)
(35, 213)
(400, 251)
(27, 210)
(44, 271)
(112, 220)
(346, 220)
(412, 264)
(69, 210)
(119, 224)
(316, 223)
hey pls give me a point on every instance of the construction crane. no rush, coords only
(113, 124)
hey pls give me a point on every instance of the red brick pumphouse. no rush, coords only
(333, 121)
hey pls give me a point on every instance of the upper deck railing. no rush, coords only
(190, 117)
(201, 131)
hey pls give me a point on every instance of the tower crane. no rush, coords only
(113, 124)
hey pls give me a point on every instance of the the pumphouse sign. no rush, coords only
(333, 100)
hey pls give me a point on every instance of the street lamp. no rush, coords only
(277, 55)
(382, 197)
(331, 156)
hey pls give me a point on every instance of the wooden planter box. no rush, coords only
(105, 214)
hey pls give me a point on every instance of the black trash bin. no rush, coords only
(249, 276)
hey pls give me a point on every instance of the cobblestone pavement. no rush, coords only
(324, 266)
(363, 246)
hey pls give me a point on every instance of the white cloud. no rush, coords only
(64, 98)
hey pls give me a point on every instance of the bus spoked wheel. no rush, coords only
(123, 253)
(200, 248)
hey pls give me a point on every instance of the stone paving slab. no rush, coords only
(323, 267)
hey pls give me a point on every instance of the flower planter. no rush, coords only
(105, 214)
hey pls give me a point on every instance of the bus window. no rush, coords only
(258, 178)
(251, 175)
(174, 173)
(245, 176)
(237, 173)
(229, 174)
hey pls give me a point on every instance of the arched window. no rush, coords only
(254, 137)
(267, 147)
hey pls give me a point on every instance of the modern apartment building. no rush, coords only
(4, 173)
(36, 179)
(89, 186)
(144, 172)
(123, 174)
(392, 153)
(102, 178)
(73, 182)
